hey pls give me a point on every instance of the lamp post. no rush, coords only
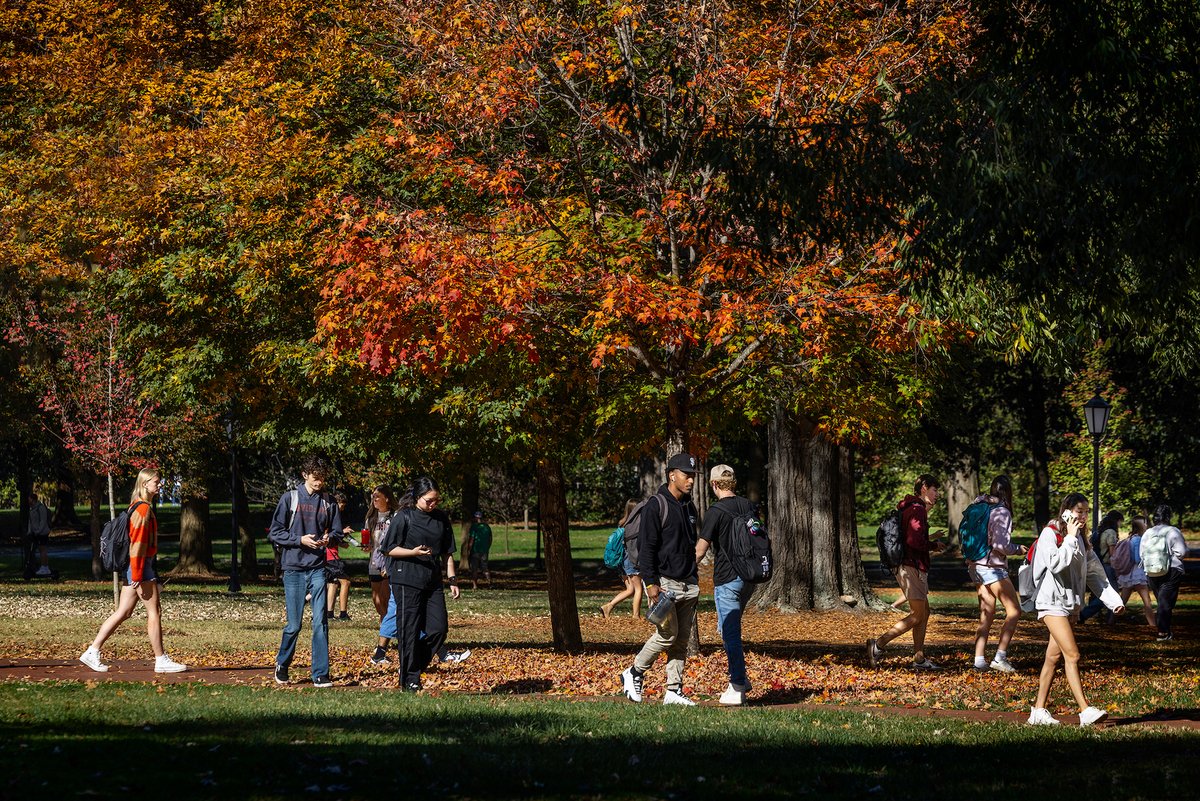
(235, 584)
(1096, 412)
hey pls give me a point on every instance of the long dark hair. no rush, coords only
(373, 514)
(1002, 489)
(1111, 520)
(422, 485)
(1069, 501)
(629, 505)
(1138, 526)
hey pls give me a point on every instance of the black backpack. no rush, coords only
(748, 548)
(633, 526)
(114, 541)
(890, 539)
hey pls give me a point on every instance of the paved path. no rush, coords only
(258, 675)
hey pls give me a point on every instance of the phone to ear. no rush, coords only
(1068, 516)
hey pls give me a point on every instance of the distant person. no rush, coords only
(141, 579)
(480, 537)
(992, 582)
(383, 506)
(731, 592)
(1063, 565)
(306, 520)
(667, 563)
(1134, 580)
(337, 586)
(1165, 586)
(420, 544)
(913, 573)
(39, 533)
(1102, 542)
(629, 575)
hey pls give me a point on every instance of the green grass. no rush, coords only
(192, 741)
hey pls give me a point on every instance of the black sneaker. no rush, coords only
(322, 681)
(344, 616)
(281, 674)
(1164, 637)
(380, 656)
(329, 615)
(412, 687)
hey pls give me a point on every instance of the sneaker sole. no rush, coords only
(180, 669)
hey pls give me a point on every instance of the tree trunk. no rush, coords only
(96, 499)
(962, 487)
(788, 517)
(195, 536)
(856, 590)
(560, 575)
(64, 495)
(470, 503)
(651, 469)
(823, 476)
(1033, 408)
(248, 555)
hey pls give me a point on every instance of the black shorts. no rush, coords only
(40, 539)
(335, 569)
(376, 577)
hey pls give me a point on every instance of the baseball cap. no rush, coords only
(721, 472)
(684, 462)
(478, 513)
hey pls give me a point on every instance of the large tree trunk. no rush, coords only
(788, 518)
(195, 540)
(1033, 408)
(823, 475)
(962, 487)
(856, 590)
(470, 503)
(651, 470)
(247, 552)
(560, 574)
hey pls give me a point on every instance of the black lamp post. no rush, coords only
(1096, 412)
(235, 584)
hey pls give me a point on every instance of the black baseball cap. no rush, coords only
(684, 462)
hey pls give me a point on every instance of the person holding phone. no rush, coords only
(1063, 565)
(306, 520)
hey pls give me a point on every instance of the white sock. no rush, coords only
(980, 661)
(1001, 656)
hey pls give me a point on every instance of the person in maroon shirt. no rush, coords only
(913, 574)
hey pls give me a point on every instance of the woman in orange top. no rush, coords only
(140, 579)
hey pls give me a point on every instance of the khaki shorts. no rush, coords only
(913, 583)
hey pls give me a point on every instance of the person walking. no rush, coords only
(1063, 564)
(383, 506)
(1134, 580)
(1165, 586)
(39, 533)
(306, 520)
(992, 581)
(913, 574)
(141, 580)
(629, 575)
(336, 575)
(419, 544)
(667, 564)
(480, 545)
(731, 592)
(1102, 542)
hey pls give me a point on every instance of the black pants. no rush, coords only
(1166, 591)
(418, 610)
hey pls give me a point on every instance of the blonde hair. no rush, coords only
(139, 486)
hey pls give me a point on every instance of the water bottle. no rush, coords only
(659, 610)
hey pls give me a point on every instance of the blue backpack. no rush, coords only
(973, 531)
(614, 551)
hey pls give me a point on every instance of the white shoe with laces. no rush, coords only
(732, 696)
(91, 658)
(631, 683)
(672, 698)
(165, 664)
(1040, 716)
(1002, 665)
(1091, 715)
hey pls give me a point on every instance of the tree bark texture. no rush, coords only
(1034, 410)
(470, 503)
(853, 576)
(962, 487)
(247, 553)
(560, 575)
(195, 540)
(651, 470)
(790, 585)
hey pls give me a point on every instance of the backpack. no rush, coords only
(114, 541)
(614, 550)
(1156, 555)
(633, 526)
(973, 531)
(890, 540)
(1094, 541)
(748, 548)
(1120, 558)
(1027, 586)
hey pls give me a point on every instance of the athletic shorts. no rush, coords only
(913, 583)
(335, 570)
(479, 561)
(986, 575)
(148, 573)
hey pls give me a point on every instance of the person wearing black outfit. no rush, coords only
(419, 543)
(667, 563)
(731, 592)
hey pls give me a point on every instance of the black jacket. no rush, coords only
(410, 528)
(668, 549)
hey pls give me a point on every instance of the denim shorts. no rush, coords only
(987, 575)
(148, 573)
(629, 568)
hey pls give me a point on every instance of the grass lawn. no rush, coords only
(194, 741)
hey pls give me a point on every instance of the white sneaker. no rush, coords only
(733, 696)
(1002, 665)
(165, 664)
(632, 685)
(1091, 715)
(1040, 716)
(672, 698)
(452, 656)
(43, 571)
(91, 658)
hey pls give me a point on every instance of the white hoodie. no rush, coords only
(1061, 573)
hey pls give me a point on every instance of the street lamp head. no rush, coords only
(1096, 411)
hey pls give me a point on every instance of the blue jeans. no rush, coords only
(387, 626)
(296, 584)
(731, 599)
